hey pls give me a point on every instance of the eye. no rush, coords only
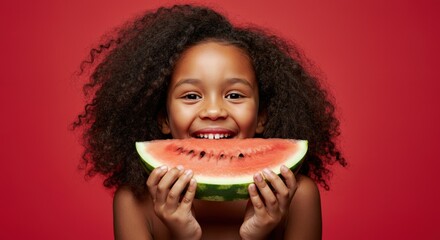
(234, 96)
(191, 96)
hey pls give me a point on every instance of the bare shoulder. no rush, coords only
(304, 221)
(130, 215)
(124, 199)
(307, 189)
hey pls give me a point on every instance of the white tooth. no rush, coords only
(217, 136)
(211, 136)
(226, 135)
(200, 136)
(222, 135)
(205, 136)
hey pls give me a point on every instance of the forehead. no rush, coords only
(213, 60)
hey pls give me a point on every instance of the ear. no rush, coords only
(261, 121)
(163, 124)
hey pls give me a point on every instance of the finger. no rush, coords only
(188, 198)
(166, 182)
(289, 177)
(281, 190)
(154, 178)
(266, 193)
(177, 189)
(256, 200)
(290, 180)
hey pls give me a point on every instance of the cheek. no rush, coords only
(247, 118)
(179, 118)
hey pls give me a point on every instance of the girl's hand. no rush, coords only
(268, 208)
(175, 211)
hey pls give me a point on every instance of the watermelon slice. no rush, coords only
(223, 168)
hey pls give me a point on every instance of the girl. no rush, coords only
(184, 72)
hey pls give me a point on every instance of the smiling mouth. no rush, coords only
(213, 136)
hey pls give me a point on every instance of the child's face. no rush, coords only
(213, 94)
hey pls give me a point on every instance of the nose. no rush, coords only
(213, 109)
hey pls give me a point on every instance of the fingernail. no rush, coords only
(267, 172)
(192, 182)
(284, 169)
(188, 172)
(180, 167)
(163, 168)
(258, 177)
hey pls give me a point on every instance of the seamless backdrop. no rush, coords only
(379, 58)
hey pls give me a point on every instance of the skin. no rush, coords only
(213, 90)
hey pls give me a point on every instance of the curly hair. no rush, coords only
(130, 73)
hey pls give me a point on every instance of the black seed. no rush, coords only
(222, 156)
(190, 152)
(202, 154)
(240, 155)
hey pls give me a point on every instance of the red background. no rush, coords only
(380, 59)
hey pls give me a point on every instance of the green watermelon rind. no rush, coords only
(223, 189)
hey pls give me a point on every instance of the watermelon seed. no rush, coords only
(202, 154)
(191, 152)
(222, 156)
(240, 155)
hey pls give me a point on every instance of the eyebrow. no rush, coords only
(193, 81)
(196, 81)
(239, 80)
